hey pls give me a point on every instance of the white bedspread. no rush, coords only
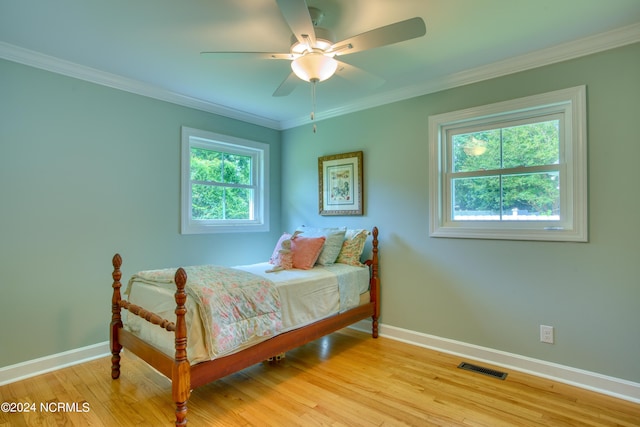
(303, 285)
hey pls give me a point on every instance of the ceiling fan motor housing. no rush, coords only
(324, 40)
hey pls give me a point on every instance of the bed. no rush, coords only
(191, 351)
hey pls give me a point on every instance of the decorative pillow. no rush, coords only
(353, 247)
(306, 251)
(332, 245)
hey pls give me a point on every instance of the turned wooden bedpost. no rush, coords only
(181, 373)
(375, 284)
(116, 319)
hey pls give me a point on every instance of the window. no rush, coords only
(513, 170)
(224, 184)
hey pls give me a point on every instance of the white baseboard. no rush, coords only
(31, 368)
(593, 381)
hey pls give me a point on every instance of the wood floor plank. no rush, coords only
(344, 379)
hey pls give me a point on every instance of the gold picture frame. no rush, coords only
(340, 189)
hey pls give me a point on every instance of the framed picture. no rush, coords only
(340, 184)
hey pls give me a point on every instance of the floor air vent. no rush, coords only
(485, 371)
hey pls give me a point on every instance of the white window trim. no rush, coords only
(260, 152)
(573, 164)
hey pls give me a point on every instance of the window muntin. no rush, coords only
(223, 183)
(512, 170)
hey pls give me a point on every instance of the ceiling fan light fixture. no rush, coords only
(475, 147)
(314, 66)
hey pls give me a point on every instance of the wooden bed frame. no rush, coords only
(185, 377)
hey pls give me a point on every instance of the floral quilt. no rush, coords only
(236, 307)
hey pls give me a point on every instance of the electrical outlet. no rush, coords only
(546, 334)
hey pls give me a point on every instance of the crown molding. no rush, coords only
(563, 52)
(559, 53)
(56, 65)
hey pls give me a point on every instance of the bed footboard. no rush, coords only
(116, 319)
(180, 372)
(374, 283)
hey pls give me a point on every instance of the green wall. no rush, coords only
(496, 293)
(87, 171)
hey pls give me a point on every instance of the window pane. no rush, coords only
(215, 202)
(206, 165)
(533, 144)
(207, 202)
(476, 199)
(237, 169)
(476, 151)
(238, 203)
(531, 197)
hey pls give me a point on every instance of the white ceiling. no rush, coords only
(153, 47)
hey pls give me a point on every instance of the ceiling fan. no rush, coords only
(313, 52)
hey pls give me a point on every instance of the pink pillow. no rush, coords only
(306, 251)
(276, 251)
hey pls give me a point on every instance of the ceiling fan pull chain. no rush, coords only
(313, 103)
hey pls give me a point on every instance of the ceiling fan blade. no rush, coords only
(382, 36)
(287, 86)
(250, 55)
(296, 14)
(359, 76)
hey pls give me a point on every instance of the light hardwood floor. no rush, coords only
(345, 379)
